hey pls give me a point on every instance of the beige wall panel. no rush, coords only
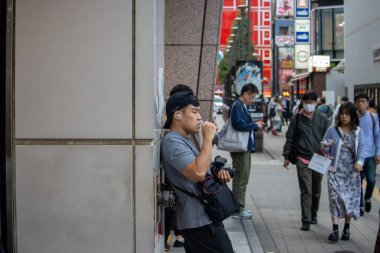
(73, 69)
(148, 64)
(74, 199)
(147, 166)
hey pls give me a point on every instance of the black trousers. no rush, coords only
(170, 223)
(211, 238)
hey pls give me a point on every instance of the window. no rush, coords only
(284, 30)
(329, 32)
(339, 31)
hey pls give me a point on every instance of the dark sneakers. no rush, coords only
(361, 211)
(314, 220)
(305, 226)
(334, 235)
(178, 244)
(346, 235)
(368, 206)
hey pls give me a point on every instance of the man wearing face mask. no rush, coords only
(307, 128)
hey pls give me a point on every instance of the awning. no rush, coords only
(300, 76)
(340, 66)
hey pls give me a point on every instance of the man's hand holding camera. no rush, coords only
(218, 169)
(223, 176)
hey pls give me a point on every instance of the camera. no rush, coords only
(218, 164)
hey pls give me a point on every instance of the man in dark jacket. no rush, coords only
(241, 120)
(308, 133)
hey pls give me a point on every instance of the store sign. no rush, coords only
(302, 9)
(302, 30)
(302, 53)
(319, 63)
(284, 41)
(376, 52)
(302, 37)
(302, 25)
(285, 8)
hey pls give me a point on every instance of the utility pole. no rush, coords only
(249, 29)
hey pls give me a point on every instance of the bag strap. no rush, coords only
(341, 138)
(191, 194)
(296, 130)
(373, 124)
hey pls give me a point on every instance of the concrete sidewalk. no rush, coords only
(273, 195)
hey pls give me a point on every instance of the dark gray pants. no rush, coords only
(211, 238)
(310, 187)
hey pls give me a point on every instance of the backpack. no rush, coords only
(272, 111)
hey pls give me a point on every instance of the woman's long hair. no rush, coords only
(349, 108)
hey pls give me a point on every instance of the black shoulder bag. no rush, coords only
(292, 156)
(217, 199)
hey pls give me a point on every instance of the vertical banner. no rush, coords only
(284, 75)
(285, 8)
(286, 57)
(302, 9)
(302, 53)
(249, 72)
(302, 31)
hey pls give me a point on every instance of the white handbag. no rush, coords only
(233, 140)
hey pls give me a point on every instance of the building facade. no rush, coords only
(362, 47)
(83, 89)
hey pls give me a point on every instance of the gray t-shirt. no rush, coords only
(177, 152)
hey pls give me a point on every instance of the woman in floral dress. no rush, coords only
(343, 143)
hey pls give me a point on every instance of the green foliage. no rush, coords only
(223, 69)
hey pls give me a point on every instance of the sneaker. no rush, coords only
(314, 220)
(248, 211)
(334, 235)
(346, 235)
(305, 226)
(368, 206)
(167, 247)
(178, 244)
(361, 211)
(242, 215)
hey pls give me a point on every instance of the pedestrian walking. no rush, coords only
(372, 106)
(241, 120)
(185, 166)
(274, 113)
(343, 143)
(307, 129)
(336, 112)
(369, 122)
(325, 109)
(286, 111)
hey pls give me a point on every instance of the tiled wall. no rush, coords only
(191, 46)
(86, 129)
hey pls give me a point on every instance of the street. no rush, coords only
(273, 195)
